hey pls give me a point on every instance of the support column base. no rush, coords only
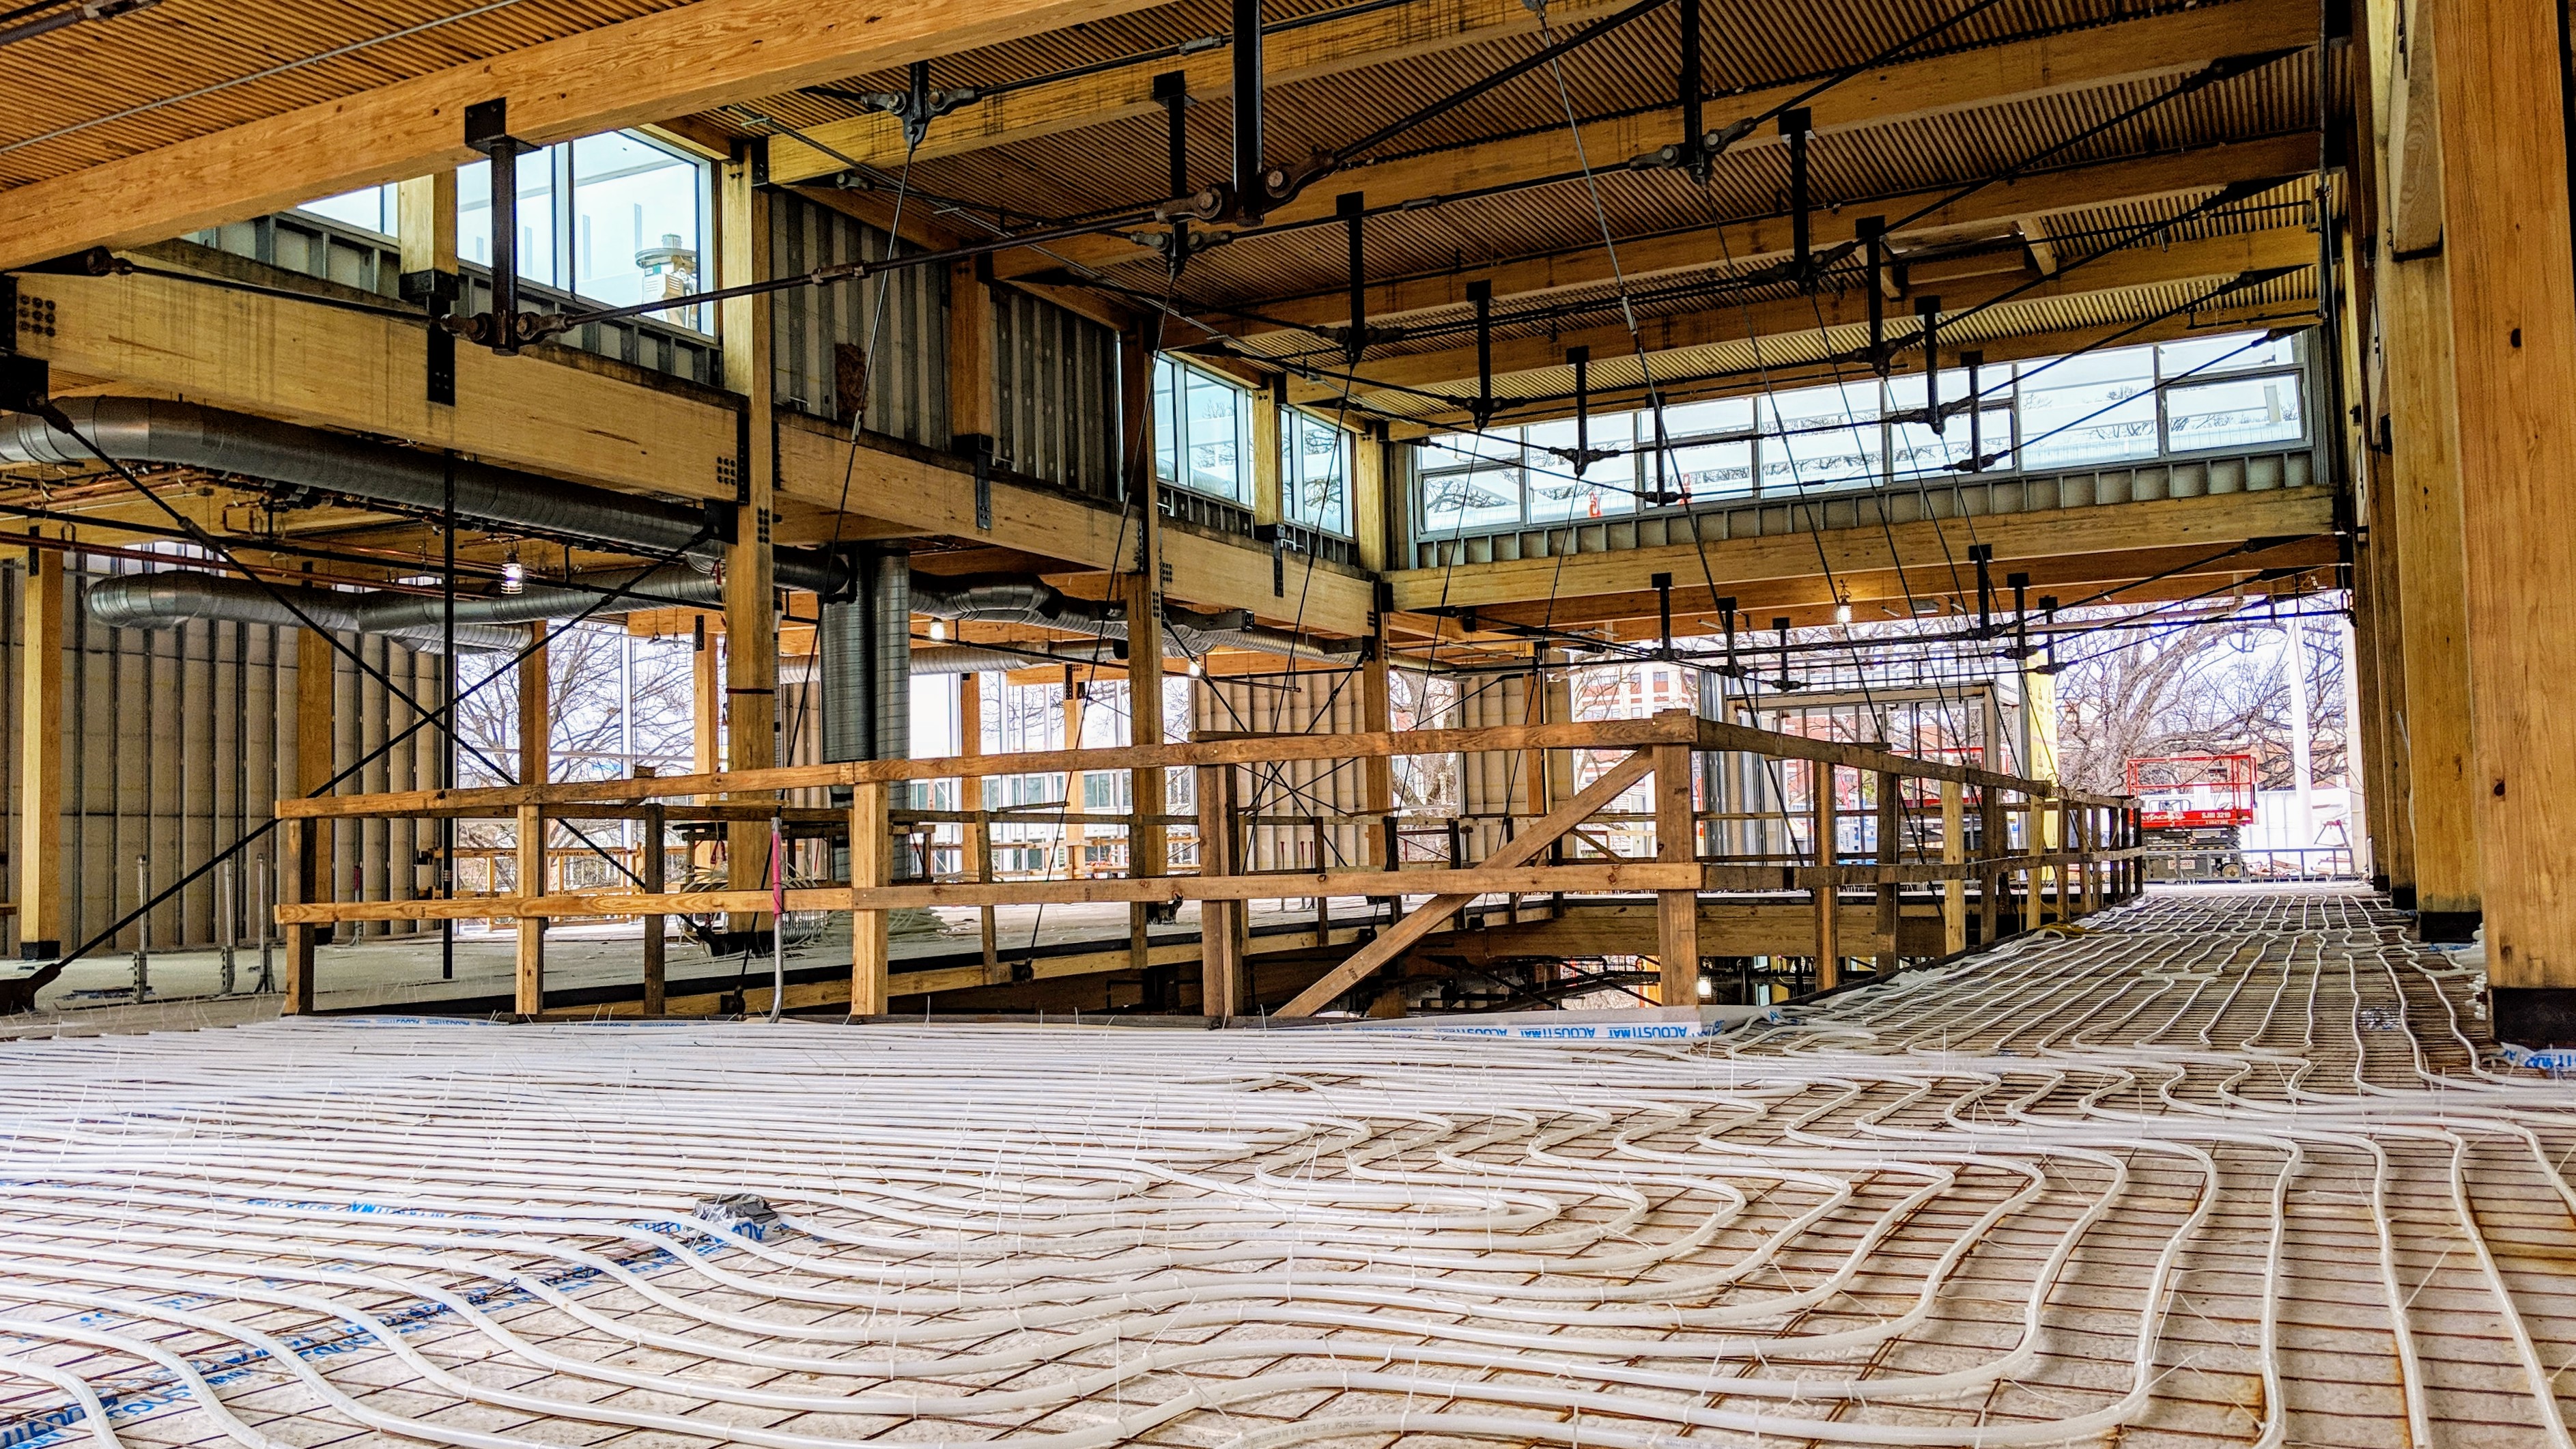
(2533, 1016)
(2379, 882)
(2447, 927)
(40, 950)
(2402, 897)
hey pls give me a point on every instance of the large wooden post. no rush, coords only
(1828, 893)
(1221, 923)
(531, 973)
(2433, 590)
(1891, 827)
(1369, 498)
(974, 419)
(750, 596)
(871, 864)
(1074, 838)
(979, 834)
(316, 680)
(1147, 794)
(1993, 844)
(2506, 240)
(536, 714)
(42, 767)
(1268, 418)
(299, 881)
(1676, 843)
(2387, 638)
(655, 879)
(1954, 851)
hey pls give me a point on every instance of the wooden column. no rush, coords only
(1136, 408)
(1142, 591)
(2506, 240)
(1954, 851)
(316, 694)
(1221, 923)
(973, 414)
(751, 609)
(1829, 950)
(1676, 843)
(1377, 772)
(536, 714)
(299, 879)
(1891, 827)
(1994, 844)
(2433, 592)
(531, 980)
(1073, 832)
(1268, 422)
(654, 871)
(1369, 497)
(979, 834)
(706, 705)
(425, 222)
(871, 864)
(42, 762)
(2388, 644)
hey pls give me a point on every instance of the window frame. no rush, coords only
(2002, 396)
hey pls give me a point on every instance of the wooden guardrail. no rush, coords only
(2074, 853)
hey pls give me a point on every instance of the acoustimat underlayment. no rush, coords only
(2229, 1168)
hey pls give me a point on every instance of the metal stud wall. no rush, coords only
(177, 743)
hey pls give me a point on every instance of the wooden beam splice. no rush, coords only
(1434, 913)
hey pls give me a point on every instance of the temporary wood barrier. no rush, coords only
(1918, 837)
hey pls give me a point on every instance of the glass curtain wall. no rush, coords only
(1203, 442)
(617, 219)
(2118, 405)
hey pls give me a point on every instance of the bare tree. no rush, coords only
(2204, 689)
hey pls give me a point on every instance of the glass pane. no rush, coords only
(1457, 450)
(1919, 450)
(1317, 475)
(1167, 439)
(1822, 437)
(1214, 442)
(1605, 486)
(1691, 469)
(2232, 352)
(536, 214)
(1469, 500)
(368, 210)
(635, 223)
(2089, 409)
(2235, 413)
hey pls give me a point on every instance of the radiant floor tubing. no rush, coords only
(2227, 1168)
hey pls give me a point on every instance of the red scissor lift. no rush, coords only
(2193, 806)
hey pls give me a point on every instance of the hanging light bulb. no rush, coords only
(938, 630)
(1842, 611)
(513, 577)
(1707, 988)
(1196, 669)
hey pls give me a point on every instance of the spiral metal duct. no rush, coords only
(150, 430)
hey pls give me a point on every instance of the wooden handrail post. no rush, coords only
(530, 993)
(979, 832)
(1829, 952)
(654, 874)
(1221, 934)
(871, 864)
(1676, 843)
(1323, 904)
(1891, 828)
(298, 882)
(2033, 883)
(1954, 851)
